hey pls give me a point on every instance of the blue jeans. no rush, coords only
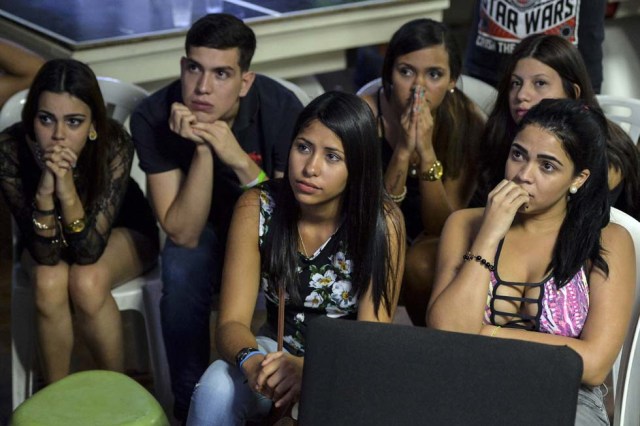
(222, 397)
(188, 277)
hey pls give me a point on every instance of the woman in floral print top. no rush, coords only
(328, 235)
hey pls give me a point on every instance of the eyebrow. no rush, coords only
(541, 156)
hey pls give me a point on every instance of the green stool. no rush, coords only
(93, 398)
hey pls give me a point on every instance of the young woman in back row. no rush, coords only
(541, 262)
(428, 131)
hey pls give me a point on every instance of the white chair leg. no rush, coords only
(23, 339)
(158, 354)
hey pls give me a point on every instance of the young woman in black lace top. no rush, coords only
(85, 225)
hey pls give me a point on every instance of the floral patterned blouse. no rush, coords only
(324, 282)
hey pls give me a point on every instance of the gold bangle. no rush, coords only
(400, 197)
(495, 330)
(75, 227)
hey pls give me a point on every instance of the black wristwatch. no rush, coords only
(243, 353)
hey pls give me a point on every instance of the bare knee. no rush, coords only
(50, 289)
(89, 288)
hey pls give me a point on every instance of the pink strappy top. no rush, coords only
(557, 311)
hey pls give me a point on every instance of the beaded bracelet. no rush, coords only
(470, 256)
(400, 197)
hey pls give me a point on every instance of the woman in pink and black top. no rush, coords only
(541, 262)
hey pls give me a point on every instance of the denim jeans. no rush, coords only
(222, 397)
(591, 410)
(188, 277)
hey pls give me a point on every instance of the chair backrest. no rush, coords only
(363, 373)
(302, 96)
(626, 369)
(371, 88)
(120, 97)
(623, 111)
(11, 111)
(482, 94)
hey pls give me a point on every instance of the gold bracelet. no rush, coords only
(75, 227)
(495, 330)
(42, 226)
(400, 197)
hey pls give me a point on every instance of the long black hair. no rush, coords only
(582, 131)
(457, 123)
(560, 55)
(78, 80)
(364, 206)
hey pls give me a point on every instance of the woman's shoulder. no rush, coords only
(615, 235)
(465, 220)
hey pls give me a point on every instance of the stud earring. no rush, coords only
(452, 90)
(93, 135)
(573, 189)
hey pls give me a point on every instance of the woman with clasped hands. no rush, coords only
(541, 262)
(85, 224)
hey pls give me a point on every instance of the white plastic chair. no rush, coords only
(302, 96)
(623, 111)
(626, 369)
(371, 88)
(482, 94)
(141, 294)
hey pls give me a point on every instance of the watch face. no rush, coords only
(437, 170)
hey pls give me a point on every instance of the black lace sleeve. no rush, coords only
(87, 246)
(18, 177)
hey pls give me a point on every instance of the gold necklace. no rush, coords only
(304, 249)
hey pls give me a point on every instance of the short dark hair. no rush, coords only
(582, 131)
(223, 31)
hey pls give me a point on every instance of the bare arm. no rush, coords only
(18, 66)
(240, 284)
(610, 304)
(182, 203)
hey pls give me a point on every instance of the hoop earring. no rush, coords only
(93, 135)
